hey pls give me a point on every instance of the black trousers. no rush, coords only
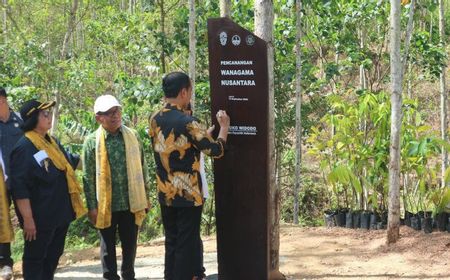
(5, 248)
(124, 222)
(183, 250)
(5, 254)
(41, 256)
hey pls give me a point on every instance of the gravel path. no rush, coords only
(145, 267)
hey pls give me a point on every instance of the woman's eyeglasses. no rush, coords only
(46, 113)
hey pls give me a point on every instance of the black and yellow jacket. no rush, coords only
(177, 141)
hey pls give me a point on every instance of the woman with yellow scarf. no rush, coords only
(45, 191)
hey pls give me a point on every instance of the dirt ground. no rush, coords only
(307, 253)
(339, 253)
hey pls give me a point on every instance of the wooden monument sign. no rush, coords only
(239, 84)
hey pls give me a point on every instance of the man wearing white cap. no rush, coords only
(116, 186)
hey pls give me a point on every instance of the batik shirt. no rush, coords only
(177, 141)
(115, 146)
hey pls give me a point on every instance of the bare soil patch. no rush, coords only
(339, 253)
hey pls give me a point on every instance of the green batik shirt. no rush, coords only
(115, 146)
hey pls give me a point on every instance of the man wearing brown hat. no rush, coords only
(10, 133)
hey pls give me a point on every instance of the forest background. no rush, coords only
(76, 50)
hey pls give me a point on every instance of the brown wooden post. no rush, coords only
(239, 84)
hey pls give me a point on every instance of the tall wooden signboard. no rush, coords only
(239, 85)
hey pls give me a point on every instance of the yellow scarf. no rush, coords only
(6, 230)
(59, 160)
(136, 187)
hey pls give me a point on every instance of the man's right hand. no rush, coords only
(29, 229)
(223, 119)
(92, 215)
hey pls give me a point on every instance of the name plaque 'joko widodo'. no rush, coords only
(239, 85)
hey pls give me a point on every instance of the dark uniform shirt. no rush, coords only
(46, 190)
(10, 133)
(115, 146)
(177, 141)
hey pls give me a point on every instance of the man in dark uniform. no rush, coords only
(10, 133)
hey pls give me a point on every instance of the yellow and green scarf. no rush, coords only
(61, 163)
(6, 230)
(136, 186)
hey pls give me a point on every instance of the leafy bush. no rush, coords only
(313, 199)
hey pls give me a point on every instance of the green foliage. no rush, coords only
(427, 55)
(423, 179)
(121, 52)
(354, 156)
(152, 226)
(17, 245)
(343, 175)
(82, 235)
(440, 198)
(313, 198)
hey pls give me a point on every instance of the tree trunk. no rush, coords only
(362, 77)
(264, 19)
(7, 15)
(163, 34)
(70, 28)
(298, 112)
(431, 26)
(398, 66)
(422, 21)
(443, 90)
(5, 21)
(225, 8)
(131, 6)
(393, 232)
(321, 64)
(192, 44)
(408, 35)
(409, 84)
(79, 30)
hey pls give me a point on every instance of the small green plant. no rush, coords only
(17, 245)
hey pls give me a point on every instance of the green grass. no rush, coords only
(17, 245)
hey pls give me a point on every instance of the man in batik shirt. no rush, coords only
(177, 140)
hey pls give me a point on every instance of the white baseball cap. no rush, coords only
(105, 102)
